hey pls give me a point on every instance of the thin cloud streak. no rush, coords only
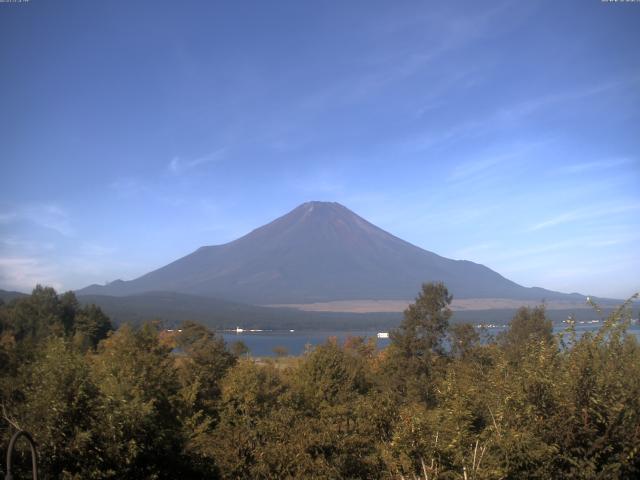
(507, 116)
(128, 187)
(596, 165)
(581, 215)
(47, 215)
(383, 70)
(529, 107)
(178, 165)
(25, 272)
(7, 217)
(473, 250)
(494, 253)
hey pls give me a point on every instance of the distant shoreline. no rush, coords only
(393, 306)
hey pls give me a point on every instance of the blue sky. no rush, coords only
(507, 133)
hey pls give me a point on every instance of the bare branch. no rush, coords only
(424, 469)
(11, 422)
(495, 424)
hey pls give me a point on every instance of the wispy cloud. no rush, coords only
(489, 162)
(475, 167)
(317, 182)
(597, 165)
(507, 116)
(23, 273)
(530, 106)
(179, 165)
(147, 189)
(95, 250)
(611, 242)
(46, 215)
(386, 68)
(512, 257)
(473, 250)
(128, 187)
(22, 244)
(581, 214)
(558, 220)
(26, 261)
(7, 217)
(51, 216)
(509, 254)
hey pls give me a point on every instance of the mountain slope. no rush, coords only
(7, 296)
(320, 252)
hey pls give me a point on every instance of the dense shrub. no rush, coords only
(138, 403)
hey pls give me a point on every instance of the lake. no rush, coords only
(262, 343)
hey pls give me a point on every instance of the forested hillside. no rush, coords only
(438, 403)
(172, 308)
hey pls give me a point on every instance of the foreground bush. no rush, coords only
(436, 404)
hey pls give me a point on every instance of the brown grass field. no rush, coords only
(371, 306)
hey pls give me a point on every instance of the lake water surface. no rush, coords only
(262, 344)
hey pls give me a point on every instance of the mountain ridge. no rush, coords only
(317, 252)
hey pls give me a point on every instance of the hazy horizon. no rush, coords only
(502, 133)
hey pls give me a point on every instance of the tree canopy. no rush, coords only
(144, 403)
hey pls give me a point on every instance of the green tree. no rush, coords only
(239, 348)
(44, 313)
(205, 362)
(251, 397)
(464, 339)
(90, 325)
(409, 363)
(332, 390)
(59, 406)
(37, 316)
(329, 376)
(597, 422)
(139, 421)
(69, 307)
(529, 325)
(425, 322)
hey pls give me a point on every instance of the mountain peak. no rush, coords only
(319, 251)
(317, 223)
(318, 206)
